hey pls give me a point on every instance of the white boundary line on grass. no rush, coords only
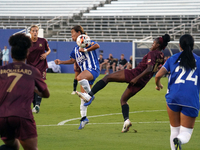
(153, 122)
(65, 121)
(68, 120)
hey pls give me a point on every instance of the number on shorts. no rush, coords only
(189, 77)
(17, 77)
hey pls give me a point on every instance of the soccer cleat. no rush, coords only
(86, 97)
(37, 108)
(177, 144)
(83, 123)
(73, 93)
(126, 126)
(34, 110)
(88, 103)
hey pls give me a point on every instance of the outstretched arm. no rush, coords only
(159, 75)
(70, 61)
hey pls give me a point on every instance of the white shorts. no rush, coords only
(5, 58)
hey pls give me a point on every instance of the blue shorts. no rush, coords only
(95, 74)
(188, 111)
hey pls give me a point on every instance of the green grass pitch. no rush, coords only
(147, 114)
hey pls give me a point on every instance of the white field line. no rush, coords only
(68, 120)
(65, 121)
(153, 122)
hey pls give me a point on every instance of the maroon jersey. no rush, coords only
(35, 51)
(77, 68)
(154, 58)
(18, 81)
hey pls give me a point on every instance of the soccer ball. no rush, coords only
(83, 41)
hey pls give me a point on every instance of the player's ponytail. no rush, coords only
(163, 41)
(186, 58)
(20, 43)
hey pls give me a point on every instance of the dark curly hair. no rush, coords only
(20, 43)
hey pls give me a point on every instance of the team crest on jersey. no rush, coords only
(149, 60)
(40, 45)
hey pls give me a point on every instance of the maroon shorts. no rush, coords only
(77, 68)
(17, 127)
(129, 75)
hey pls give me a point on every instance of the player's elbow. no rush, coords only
(46, 93)
(97, 46)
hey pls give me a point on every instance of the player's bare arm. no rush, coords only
(43, 56)
(70, 61)
(93, 47)
(144, 73)
(44, 93)
(159, 75)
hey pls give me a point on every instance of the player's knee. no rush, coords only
(79, 78)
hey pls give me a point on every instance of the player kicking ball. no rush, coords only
(137, 78)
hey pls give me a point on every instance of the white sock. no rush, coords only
(185, 134)
(85, 84)
(83, 109)
(174, 133)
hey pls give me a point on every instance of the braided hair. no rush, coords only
(186, 58)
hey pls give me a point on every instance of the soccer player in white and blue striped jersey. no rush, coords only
(87, 60)
(183, 91)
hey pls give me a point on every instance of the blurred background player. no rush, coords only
(5, 53)
(102, 62)
(122, 63)
(37, 58)
(87, 60)
(77, 71)
(137, 77)
(16, 95)
(183, 91)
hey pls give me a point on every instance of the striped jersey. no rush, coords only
(86, 60)
(183, 85)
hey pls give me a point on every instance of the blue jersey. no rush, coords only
(183, 86)
(86, 60)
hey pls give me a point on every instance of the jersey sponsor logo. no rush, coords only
(81, 59)
(40, 45)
